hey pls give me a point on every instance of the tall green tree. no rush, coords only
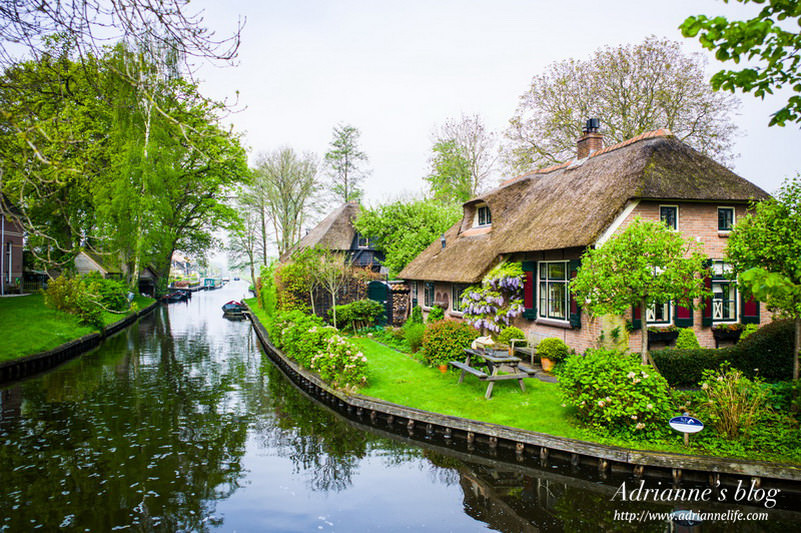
(645, 264)
(287, 182)
(243, 241)
(765, 250)
(632, 89)
(403, 229)
(767, 41)
(450, 179)
(346, 164)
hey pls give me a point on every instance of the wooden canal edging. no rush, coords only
(492, 438)
(39, 362)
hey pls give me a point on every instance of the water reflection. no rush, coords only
(178, 424)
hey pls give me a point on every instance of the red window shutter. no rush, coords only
(706, 317)
(749, 311)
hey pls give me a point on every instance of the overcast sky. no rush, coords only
(395, 70)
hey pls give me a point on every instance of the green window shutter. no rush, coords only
(575, 308)
(529, 291)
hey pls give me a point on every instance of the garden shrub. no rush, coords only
(614, 393)
(292, 287)
(361, 313)
(435, 314)
(748, 330)
(413, 333)
(266, 290)
(510, 333)
(340, 363)
(732, 402)
(72, 295)
(112, 294)
(416, 316)
(767, 353)
(687, 339)
(554, 349)
(445, 341)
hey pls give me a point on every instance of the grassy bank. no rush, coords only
(397, 377)
(28, 326)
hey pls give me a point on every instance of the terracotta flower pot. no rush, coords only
(443, 368)
(546, 363)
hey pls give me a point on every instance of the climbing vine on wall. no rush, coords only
(493, 304)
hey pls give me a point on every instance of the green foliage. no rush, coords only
(267, 292)
(733, 402)
(416, 316)
(358, 314)
(435, 314)
(445, 341)
(404, 229)
(509, 333)
(73, 296)
(615, 394)
(498, 299)
(647, 263)
(687, 340)
(341, 363)
(292, 282)
(413, 333)
(450, 179)
(554, 349)
(306, 339)
(767, 353)
(766, 42)
(748, 330)
(112, 294)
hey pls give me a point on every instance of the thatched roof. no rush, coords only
(335, 232)
(570, 205)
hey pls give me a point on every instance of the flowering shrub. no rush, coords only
(614, 393)
(340, 363)
(498, 299)
(445, 341)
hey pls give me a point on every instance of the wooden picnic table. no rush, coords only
(492, 360)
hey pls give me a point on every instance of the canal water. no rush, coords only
(181, 423)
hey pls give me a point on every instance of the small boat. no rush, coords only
(176, 296)
(233, 308)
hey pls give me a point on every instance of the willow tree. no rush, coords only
(645, 264)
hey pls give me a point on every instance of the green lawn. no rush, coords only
(28, 326)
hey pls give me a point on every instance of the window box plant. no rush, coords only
(727, 332)
(662, 334)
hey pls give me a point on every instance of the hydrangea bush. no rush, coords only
(614, 393)
(499, 299)
(341, 363)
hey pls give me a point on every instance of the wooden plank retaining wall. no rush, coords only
(33, 364)
(486, 437)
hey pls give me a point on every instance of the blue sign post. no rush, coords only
(686, 424)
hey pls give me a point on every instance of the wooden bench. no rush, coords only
(470, 370)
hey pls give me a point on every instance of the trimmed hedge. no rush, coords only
(767, 353)
(445, 341)
(358, 314)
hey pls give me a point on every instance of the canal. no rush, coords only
(180, 423)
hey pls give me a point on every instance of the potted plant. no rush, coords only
(662, 334)
(552, 351)
(727, 332)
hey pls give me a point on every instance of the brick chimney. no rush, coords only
(591, 141)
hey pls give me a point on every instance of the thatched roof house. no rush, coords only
(546, 219)
(336, 232)
(572, 204)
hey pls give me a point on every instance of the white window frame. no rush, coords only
(719, 270)
(456, 299)
(9, 259)
(733, 218)
(476, 220)
(426, 303)
(650, 311)
(544, 312)
(676, 207)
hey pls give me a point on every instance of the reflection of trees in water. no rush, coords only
(148, 433)
(320, 444)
